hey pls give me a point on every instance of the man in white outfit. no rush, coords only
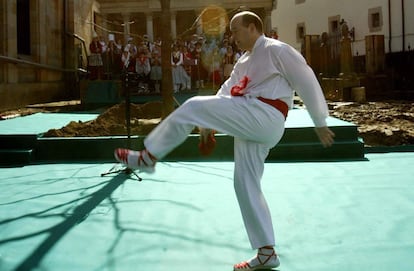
(251, 106)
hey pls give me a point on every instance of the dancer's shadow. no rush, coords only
(56, 232)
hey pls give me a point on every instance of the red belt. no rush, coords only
(278, 104)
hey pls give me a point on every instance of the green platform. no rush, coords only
(330, 216)
(351, 212)
(19, 136)
(21, 142)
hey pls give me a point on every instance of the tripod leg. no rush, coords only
(126, 171)
(111, 171)
(130, 171)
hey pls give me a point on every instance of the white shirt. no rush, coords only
(275, 70)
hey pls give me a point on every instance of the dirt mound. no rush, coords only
(380, 123)
(112, 122)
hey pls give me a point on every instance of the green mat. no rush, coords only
(341, 216)
(41, 122)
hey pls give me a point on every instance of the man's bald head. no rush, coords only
(247, 18)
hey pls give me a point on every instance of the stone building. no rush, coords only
(390, 18)
(139, 17)
(44, 44)
(381, 33)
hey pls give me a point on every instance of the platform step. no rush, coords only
(307, 134)
(101, 148)
(342, 150)
(12, 141)
(15, 157)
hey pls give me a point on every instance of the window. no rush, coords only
(274, 4)
(375, 19)
(300, 32)
(334, 26)
(23, 27)
(334, 23)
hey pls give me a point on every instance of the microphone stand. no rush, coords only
(127, 84)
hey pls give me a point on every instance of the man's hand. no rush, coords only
(204, 134)
(207, 141)
(325, 135)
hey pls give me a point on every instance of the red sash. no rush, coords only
(278, 104)
(238, 90)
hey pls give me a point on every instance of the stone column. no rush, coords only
(104, 29)
(222, 26)
(40, 38)
(173, 24)
(199, 24)
(71, 53)
(150, 26)
(12, 74)
(3, 27)
(126, 18)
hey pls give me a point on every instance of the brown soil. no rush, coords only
(112, 122)
(386, 123)
(389, 123)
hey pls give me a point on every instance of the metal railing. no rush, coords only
(38, 65)
(85, 52)
(50, 67)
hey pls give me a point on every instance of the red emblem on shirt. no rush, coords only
(238, 90)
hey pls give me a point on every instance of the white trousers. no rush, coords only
(255, 126)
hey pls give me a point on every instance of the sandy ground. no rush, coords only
(385, 123)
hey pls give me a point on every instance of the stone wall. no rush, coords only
(42, 75)
(25, 83)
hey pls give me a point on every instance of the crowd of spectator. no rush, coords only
(195, 61)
